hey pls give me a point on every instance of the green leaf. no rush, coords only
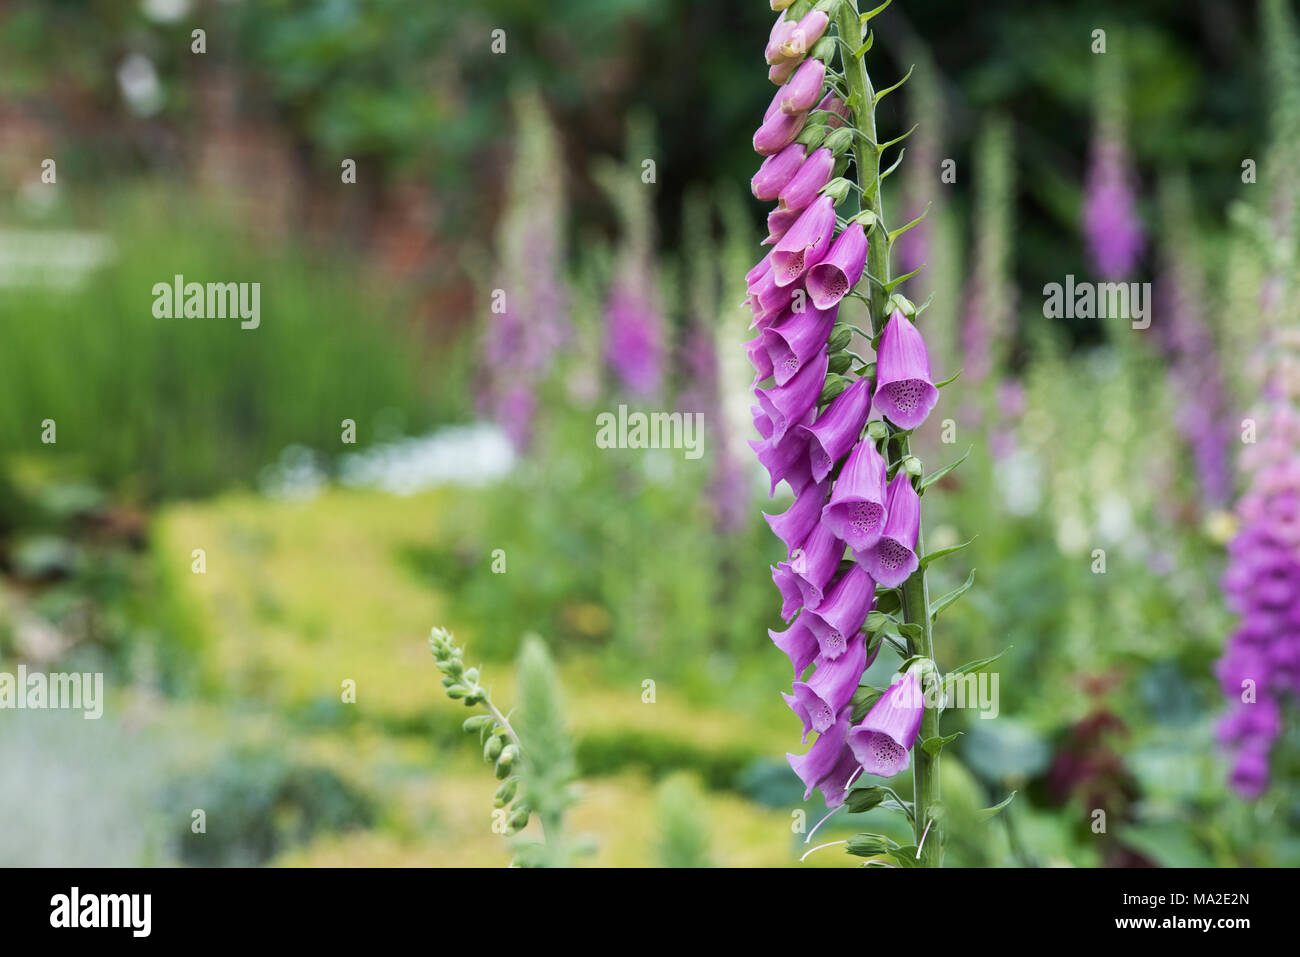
(888, 600)
(952, 596)
(906, 856)
(988, 813)
(866, 844)
(864, 799)
(935, 556)
(911, 631)
(976, 665)
(933, 746)
(880, 95)
(866, 45)
(935, 476)
(895, 233)
(866, 17)
(952, 378)
(898, 281)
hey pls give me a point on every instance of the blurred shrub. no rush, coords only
(259, 803)
(170, 407)
(682, 838)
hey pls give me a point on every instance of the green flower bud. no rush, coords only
(837, 189)
(492, 750)
(840, 338)
(517, 821)
(505, 793)
(837, 142)
(457, 691)
(912, 466)
(508, 755)
(840, 363)
(876, 621)
(476, 696)
(823, 49)
(877, 430)
(812, 135)
(471, 675)
(835, 384)
(477, 723)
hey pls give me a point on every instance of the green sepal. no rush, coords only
(863, 799)
(988, 813)
(863, 699)
(936, 555)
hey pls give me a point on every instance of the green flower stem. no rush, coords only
(915, 591)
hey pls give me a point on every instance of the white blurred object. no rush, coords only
(457, 455)
(165, 11)
(58, 259)
(138, 81)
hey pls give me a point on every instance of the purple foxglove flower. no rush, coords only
(776, 171)
(778, 132)
(787, 582)
(841, 614)
(782, 30)
(825, 756)
(813, 563)
(856, 512)
(808, 31)
(779, 73)
(761, 269)
(833, 104)
(891, 560)
(830, 686)
(806, 243)
(767, 297)
(758, 356)
(634, 345)
(804, 89)
(779, 222)
(807, 182)
(786, 405)
(882, 741)
(1110, 223)
(798, 643)
(835, 276)
(835, 786)
(761, 421)
(796, 338)
(785, 458)
(837, 429)
(794, 524)
(904, 393)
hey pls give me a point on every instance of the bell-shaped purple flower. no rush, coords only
(779, 73)
(804, 89)
(787, 583)
(805, 244)
(814, 563)
(777, 170)
(786, 458)
(781, 31)
(786, 405)
(778, 132)
(795, 339)
(841, 614)
(798, 643)
(904, 392)
(835, 276)
(761, 269)
(891, 560)
(807, 182)
(807, 31)
(767, 297)
(760, 359)
(825, 757)
(856, 512)
(830, 687)
(882, 741)
(794, 524)
(837, 429)
(779, 222)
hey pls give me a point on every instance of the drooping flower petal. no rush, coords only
(806, 243)
(835, 276)
(776, 171)
(808, 31)
(802, 92)
(891, 559)
(785, 458)
(856, 511)
(824, 756)
(831, 685)
(814, 562)
(904, 392)
(804, 186)
(885, 736)
(842, 612)
(786, 405)
(837, 429)
(778, 132)
(796, 338)
(798, 643)
(794, 524)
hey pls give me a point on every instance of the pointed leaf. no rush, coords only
(933, 746)
(952, 378)
(977, 665)
(935, 476)
(952, 596)
(934, 556)
(988, 813)
(863, 799)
